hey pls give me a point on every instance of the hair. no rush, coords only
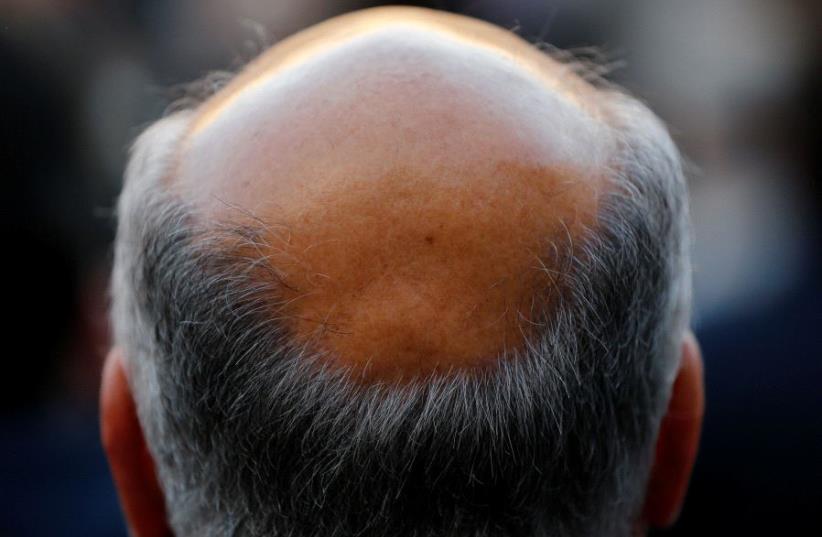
(253, 434)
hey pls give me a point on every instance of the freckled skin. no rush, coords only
(413, 169)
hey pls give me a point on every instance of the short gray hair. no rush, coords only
(253, 434)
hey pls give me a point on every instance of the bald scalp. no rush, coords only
(415, 171)
(398, 194)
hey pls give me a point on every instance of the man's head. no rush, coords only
(404, 275)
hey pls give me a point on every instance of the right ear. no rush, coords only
(131, 464)
(678, 440)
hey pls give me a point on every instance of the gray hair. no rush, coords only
(253, 434)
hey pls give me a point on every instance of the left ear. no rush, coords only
(678, 440)
(131, 464)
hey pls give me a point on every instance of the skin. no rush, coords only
(411, 171)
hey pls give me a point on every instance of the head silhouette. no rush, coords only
(404, 274)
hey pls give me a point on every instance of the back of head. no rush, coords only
(404, 275)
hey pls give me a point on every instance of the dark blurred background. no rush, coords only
(738, 81)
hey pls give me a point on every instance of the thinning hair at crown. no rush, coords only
(256, 434)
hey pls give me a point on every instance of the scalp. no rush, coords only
(413, 173)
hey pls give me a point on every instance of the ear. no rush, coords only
(131, 464)
(678, 440)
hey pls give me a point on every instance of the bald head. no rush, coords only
(412, 169)
(404, 275)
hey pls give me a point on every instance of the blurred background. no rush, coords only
(738, 82)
